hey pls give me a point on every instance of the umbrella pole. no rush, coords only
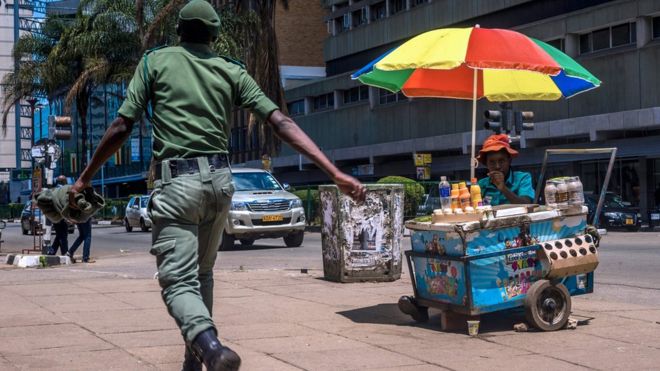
(474, 125)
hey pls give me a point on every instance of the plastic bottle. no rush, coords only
(562, 193)
(575, 191)
(550, 193)
(455, 203)
(464, 196)
(475, 192)
(445, 193)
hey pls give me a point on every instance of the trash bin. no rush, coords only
(654, 218)
(362, 242)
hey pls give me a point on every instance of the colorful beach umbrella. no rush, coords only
(473, 63)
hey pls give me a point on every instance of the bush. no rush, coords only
(414, 192)
(311, 212)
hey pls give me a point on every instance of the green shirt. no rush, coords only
(193, 93)
(518, 182)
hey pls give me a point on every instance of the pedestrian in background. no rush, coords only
(193, 93)
(61, 229)
(84, 237)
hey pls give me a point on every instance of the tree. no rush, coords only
(35, 78)
(250, 36)
(108, 39)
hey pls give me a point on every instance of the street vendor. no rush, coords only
(502, 185)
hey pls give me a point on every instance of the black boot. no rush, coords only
(190, 362)
(214, 355)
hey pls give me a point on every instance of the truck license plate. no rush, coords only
(272, 218)
(629, 221)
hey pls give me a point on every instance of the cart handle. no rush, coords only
(581, 151)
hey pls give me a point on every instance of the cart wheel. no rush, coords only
(409, 306)
(547, 305)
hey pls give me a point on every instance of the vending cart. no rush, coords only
(529, 256)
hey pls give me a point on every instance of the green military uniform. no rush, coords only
(193, 93)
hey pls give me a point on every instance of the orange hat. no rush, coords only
(496, 143)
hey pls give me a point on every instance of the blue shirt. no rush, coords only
(518, 182)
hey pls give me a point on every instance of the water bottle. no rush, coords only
(445, 193)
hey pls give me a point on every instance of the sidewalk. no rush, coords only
(95, 316)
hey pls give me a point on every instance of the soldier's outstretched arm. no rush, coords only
(112, 140)
(287, 130)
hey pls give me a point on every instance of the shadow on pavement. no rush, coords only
(389, 314)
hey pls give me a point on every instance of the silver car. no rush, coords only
(262, 208)
(136, 214)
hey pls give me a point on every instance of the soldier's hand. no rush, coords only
(77, 187)
(351, 187)
(497, 178)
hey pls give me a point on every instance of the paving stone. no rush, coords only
(48, 339)
(145, 338)
(146, 299)
(83, 361)
(80, 303)
(346, 359)
(311, 343)
(118, 321)
(263, 331)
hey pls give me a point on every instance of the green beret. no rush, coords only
(202, 11)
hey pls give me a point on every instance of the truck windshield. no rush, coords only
(255, 182)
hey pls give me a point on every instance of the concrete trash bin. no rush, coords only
(362, 242)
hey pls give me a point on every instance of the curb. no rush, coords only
(31, 261)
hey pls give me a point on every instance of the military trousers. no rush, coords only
(188, 213)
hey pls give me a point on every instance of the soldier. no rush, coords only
(192, 92)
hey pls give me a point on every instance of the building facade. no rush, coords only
(374, 133)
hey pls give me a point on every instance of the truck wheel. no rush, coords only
(127, 225)
(294, 239)
(227, 242)
(247, 241)
(547, 305)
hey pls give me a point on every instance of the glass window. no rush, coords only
(656, 27)
(601, 39)
(417, 2)
(378, 11)
(325, 101)
(621, 35)
(386, 96)
(397, 6)
(585, 43)
(557, 43)
(356, 94)
(296, 107)
(143, 202)
(255, 181)
(360, 17)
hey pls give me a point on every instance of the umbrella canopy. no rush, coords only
(509, 67)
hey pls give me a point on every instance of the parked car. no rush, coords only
(616, 213)
(29, 225)
(136, 214)
(262, 208)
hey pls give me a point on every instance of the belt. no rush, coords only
(182, 166)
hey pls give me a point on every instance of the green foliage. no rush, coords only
(311, 201)
(11, 211)
(414, 192)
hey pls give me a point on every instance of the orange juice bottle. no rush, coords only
(455, 203)
(464, 196)
(475, 192)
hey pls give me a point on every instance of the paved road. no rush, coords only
(628, 270)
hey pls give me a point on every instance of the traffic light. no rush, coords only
(60, 126)
(524, 121)
(494, 121)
